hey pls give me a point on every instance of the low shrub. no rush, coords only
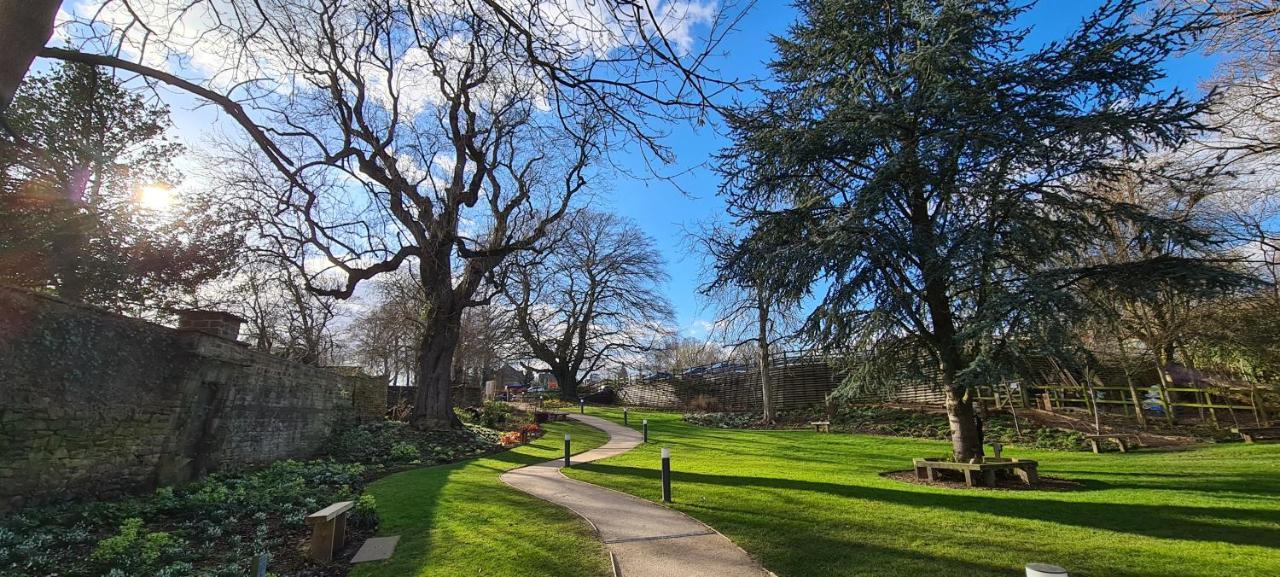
(405, 452)
(135, 550)
(395, 442)
(365, 514)
(900, 423)
(550, 403)
(494, 414)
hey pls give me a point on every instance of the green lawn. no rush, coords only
(814, 505)
(460, 520)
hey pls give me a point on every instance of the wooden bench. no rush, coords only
(1025, 470)
(329, 530)
(821, 426)
(1123, 441)
(1251, 434)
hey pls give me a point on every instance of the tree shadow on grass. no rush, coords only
(1167, 521)
(821, 555)
(458, 518)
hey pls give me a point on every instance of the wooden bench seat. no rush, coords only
(329, 530)
(1122, 440)
(821, 426)
(1251, 434)
(1024, 469)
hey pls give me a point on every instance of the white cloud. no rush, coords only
(208, 38)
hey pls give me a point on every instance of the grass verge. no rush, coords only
(460, 519)
(814, 505)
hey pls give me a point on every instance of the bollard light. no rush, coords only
(624, 416)
(666, 475)
(1045, 570)
(582, 406)
(566, 449)
(644, 430)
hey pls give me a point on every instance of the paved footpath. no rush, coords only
(645, 539)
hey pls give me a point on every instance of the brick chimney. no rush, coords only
(225, 325)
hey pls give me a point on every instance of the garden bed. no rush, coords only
(218, 525)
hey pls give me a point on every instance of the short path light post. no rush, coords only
(1045, 570)
(666, 478)
(566, 449)
(644, 430)
(624, 416)
(582, 406)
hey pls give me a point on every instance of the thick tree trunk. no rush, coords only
(433, 405)
(568, 382)
(966, 443)
(25, 27)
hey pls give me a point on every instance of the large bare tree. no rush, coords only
(443, 134)
(590, 298)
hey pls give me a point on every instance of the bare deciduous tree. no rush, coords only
(589, 298)
(444, 134)
(283, 318)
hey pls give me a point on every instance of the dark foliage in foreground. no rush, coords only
(217, 526)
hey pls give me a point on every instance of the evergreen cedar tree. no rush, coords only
(926, 169)
(69, 223)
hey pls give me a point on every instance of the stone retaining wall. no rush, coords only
(93, 402)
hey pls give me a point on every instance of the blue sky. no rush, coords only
(667, 214)
(669, 209)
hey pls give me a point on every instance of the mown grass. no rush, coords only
(815, 505)
(461, 520)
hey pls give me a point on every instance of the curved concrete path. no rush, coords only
(644, 538)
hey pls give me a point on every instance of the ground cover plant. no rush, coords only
(216, 526)
(213, 527)
(897, 422)
(814, 505)
(392, 442)
(460, 519)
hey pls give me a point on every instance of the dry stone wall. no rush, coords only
(92, 402)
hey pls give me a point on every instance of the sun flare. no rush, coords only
(155, 197)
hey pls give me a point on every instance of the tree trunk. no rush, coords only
(766, 383)
(25, 27)
(966, 444)
(567, 380)
(433, 405)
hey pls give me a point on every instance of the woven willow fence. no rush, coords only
(800, 380)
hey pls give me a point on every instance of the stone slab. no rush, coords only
(376, 549)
